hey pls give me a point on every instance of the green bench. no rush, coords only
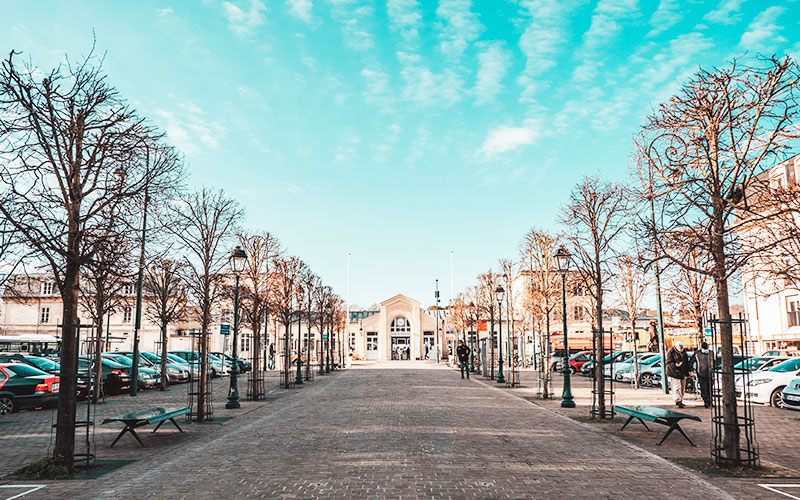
(144, 417)
(659, 416)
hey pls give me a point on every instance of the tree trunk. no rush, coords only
(202, 386)
(730, 440)
(547, 357)
(491, 344)
(599, 374)
(64, 451)
(635, 353)
(163, 356)
(98, 366)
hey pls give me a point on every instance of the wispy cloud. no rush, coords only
(165, 13)
(665, 17)
(377, 90)
(189, 129)
(607, 22)
(502, 139)
(244, 21)
(423, 87)
(542, 40)
(405, 19)
(763, 33)
(726, 12)
(301, 9)
(354, 21)
(460, 27)
(493, 63)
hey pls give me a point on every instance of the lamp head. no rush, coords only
(238, 259)
(562, 259)
(501, 292)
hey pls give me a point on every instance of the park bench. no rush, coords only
(144, 417)
(658, 415)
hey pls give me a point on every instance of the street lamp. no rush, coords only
(472, 337)
(500, 292)
(562, 260)
(298, 379)
(238, 260)
(140, 277)
(329, 310)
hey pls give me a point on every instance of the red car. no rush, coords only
(23, 386)
(576, 361)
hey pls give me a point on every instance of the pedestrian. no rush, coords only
(271, 361)
(702, 365)
(463, 357)
(677, 369)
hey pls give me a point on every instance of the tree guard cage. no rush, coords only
(748, 453)
(308, 372)
(286, 367)
(484, 366)
(195, 383)
(255, 377)
(607, 383)
(544, 375)
(512, 380)
(84, 428)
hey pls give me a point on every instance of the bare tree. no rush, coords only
(595, 218)
(63, 137)
(167, 300)
(322, 297)
(203, 223)
(261, 249)
(288, 275)
(700, 158)
(538, 250)
(689, 290)
(309, 282)
(486, 303)
(631, 288)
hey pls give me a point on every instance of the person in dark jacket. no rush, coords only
(702, 364)
(678, 368)
(462, 351)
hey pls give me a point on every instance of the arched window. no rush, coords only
(400, 326)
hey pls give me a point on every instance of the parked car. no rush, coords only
(766, 387)
(791, 395)
(175, 372)
(625, 372)
(147, 376)
(23, 386)
(193, 357)
(689, 386)
(244, 366)
(588, 368)
(116, 377)
(219, 365)
(194, 369)
(782, 352)
(48, 365)
(646, 373)
(624, 362)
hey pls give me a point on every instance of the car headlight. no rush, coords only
(759, 381)
(173, 371)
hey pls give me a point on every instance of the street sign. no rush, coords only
(225, 329)
(707, 332)
(324, 336)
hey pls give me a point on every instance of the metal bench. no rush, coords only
(659, 416)
(144, 417)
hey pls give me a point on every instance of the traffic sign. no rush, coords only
(225, 329)
(324, 336)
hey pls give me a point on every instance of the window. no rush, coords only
(127, 289)
(352, 340)
(44, 317)
(372, 341)
(245, 346)
(577, 313)
(126, 315)
(793, 311)
(47, 288)
(400, 326)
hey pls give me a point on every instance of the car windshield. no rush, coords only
(176, 359)
(26, 371)
(43, 363)
(120, 359)
(749, 364)
(650, 360)
(787, 366)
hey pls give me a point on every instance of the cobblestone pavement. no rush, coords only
(392, 434)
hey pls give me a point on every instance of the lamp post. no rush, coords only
(329, 310)
(139, 278)
(562, 259)
(472, 323)
(500, 292)
(298, 378)
(436, 295)
(238, 259)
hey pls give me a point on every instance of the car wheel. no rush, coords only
(7, 405)
(776, 398)
(647, 380)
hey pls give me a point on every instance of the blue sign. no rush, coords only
(324, 336)
(225, 329)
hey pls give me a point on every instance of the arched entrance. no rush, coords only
(400, 333)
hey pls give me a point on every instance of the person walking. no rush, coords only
(677, 369)
(462, 351)
(702, 365)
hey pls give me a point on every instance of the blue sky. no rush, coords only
(399, 130)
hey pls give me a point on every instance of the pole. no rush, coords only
(346, 355)
(567, 401)
(139, 279)
(500, 378)
(233, 394)
(328, 344)
(298, 379)
(661, 349)
(436, 296)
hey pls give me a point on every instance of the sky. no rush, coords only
(399, 131)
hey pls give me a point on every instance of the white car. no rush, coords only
(618, 366)
(766, 387)
(791, 395)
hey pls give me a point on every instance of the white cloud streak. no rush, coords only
(727, 12)
(493, 63)
(502, 139)
(763, 33)
(301, 9)
(667, 15)
(405, 19)
(460, 27)
(241, 21)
